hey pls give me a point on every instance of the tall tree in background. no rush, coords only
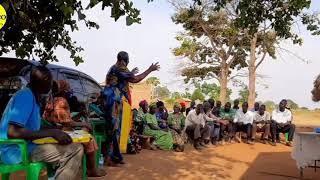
(197, 95)
(292, 105)
(244, 94)
(161, 92)
(153, 82)
(270, 105)
(211, 43)
(212, 90)
(38, 27)
(265, 23)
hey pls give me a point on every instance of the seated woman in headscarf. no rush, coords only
(176, 122)
(58, 111)
(163, 138)
(162, 115)
(139, 118)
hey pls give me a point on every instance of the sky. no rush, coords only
(153, 41)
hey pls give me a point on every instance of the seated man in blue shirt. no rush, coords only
(21, 120)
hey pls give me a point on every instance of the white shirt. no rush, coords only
(245, 118)
(265, 117)
(281, 117)
(194, 118)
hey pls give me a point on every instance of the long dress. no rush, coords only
(163, 139)
(177, 121)
(117, 86)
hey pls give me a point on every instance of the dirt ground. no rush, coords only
(229, 162)
(236, 161)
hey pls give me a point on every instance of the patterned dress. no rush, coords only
(117, 87)
(58, 111)
(177, 121)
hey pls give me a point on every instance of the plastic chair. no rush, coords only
(32, 169)
(286, 135)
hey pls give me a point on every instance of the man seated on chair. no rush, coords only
(261, 123)
(196, 127)
(226, 124)
(21, 120)
(243, 121)
(282, 123)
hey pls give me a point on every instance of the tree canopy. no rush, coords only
(161, 92)
(153, 81)
(36, 27)
(292, 105)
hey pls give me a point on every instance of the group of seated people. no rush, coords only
(200, 123)
(209, 122)
(26, 118)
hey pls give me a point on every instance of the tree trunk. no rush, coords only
(223, 79)
(252, 72)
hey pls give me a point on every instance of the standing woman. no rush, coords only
(117, 87)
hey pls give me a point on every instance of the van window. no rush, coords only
(74, 82)
(90, 86)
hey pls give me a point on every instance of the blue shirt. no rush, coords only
(24, 111)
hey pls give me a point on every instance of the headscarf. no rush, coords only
(153, 105)
(182, 104)
(143, 103)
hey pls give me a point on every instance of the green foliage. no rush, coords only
(187, 95)
(169, 102)
(153, 81)
(176, 95)
(244, 94)
(161, 92)
(279, 15)
(197, 95)
(212, 90)
(292, 105)
(36, 27)
(211, 42)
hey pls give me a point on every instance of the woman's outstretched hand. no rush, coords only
(135, 70)
(154, 67)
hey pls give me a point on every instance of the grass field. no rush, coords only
(304, 118)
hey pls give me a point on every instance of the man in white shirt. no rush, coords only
(281, 123)
(243, 121)
(196, 126)
(261, 123)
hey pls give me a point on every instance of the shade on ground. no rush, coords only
(236, 161)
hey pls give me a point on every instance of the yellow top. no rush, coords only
(78, 136)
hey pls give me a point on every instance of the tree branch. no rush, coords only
(294, 54)
(262, 59)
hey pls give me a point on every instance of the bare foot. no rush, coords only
(97, 173)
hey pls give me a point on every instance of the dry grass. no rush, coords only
(306, 118)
